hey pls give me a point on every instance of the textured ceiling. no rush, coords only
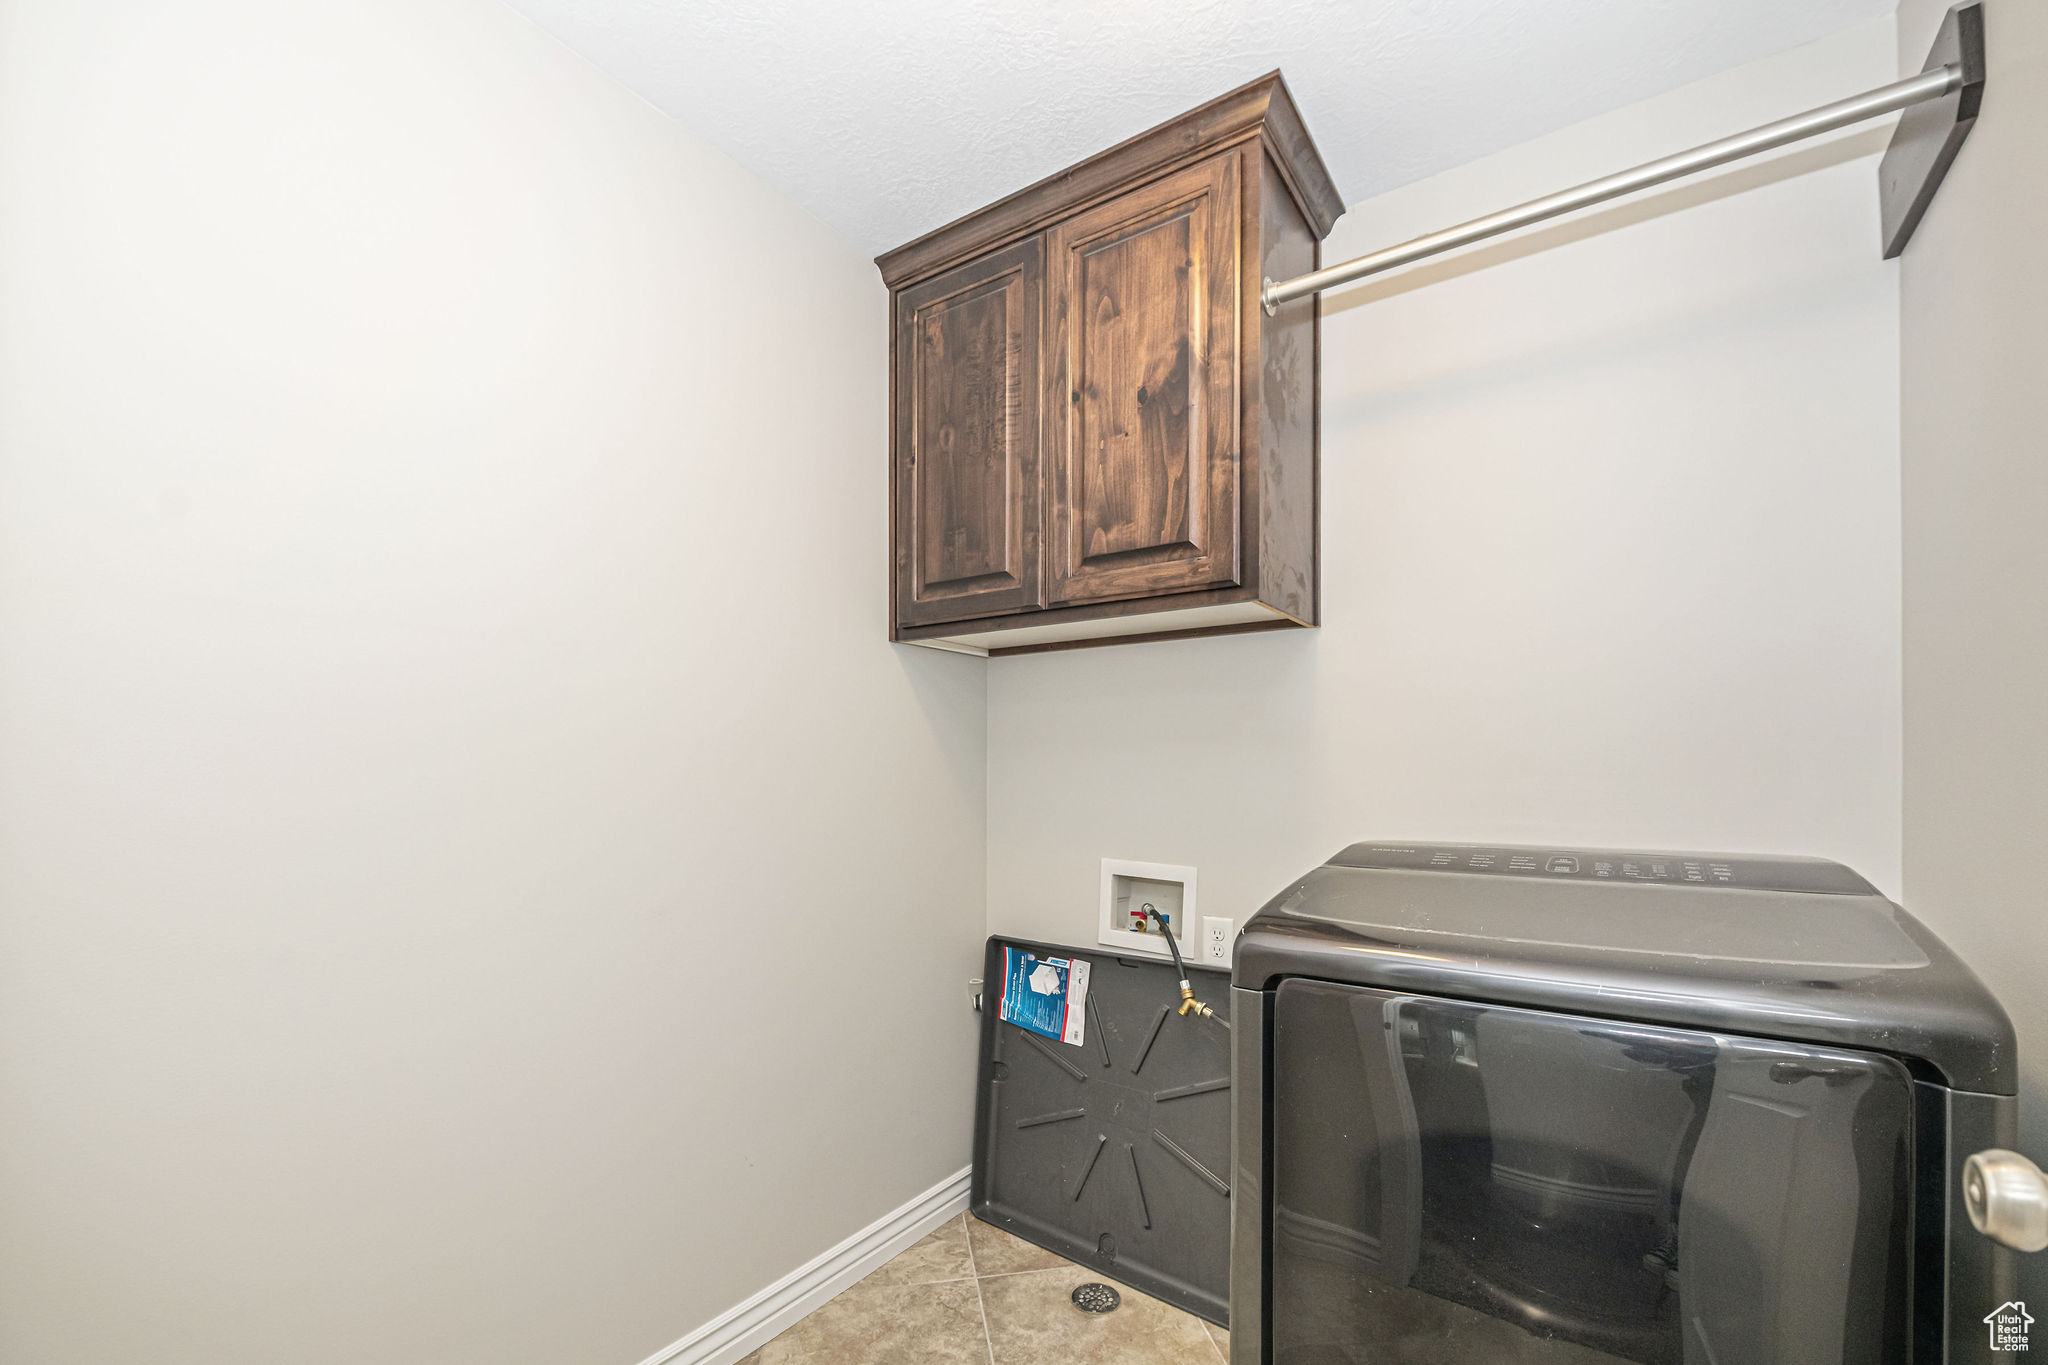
(887, 118)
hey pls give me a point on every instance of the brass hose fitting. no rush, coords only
(1188, 1003)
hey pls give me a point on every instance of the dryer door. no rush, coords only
(1456, 1182)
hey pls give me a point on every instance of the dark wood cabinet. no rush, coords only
(969, 511)
(1097, 432)
(1141, 418)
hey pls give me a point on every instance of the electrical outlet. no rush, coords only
(1216, 935)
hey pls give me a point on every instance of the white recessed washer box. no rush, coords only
(1127, 887)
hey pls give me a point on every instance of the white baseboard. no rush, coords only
(753, 1324)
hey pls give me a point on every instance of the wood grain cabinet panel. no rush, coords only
(1143, 407)
(969, 508)
(1151, 468)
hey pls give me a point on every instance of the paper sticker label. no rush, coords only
(1047, 995)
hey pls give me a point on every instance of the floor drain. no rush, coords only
(1096, 1298)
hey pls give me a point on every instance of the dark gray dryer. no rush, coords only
(1563, 1105)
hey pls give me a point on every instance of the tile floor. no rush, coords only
(971, 1294)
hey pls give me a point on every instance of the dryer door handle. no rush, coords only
(2007, 1197)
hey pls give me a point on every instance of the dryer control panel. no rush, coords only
(1749, 873)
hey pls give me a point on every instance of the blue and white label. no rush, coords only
(1047, 995)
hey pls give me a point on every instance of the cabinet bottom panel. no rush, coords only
(1106, 628)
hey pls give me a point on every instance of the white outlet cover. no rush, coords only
(1110, 928)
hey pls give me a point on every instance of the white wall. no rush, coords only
(1974, 299)
(455, 794)
(1610, 547)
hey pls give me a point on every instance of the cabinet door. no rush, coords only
(969, 498)
(1143, 410)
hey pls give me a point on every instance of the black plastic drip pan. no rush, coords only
(1114, 1154)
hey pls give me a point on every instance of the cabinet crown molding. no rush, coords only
(1259, 108)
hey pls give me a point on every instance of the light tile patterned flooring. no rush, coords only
(971, 1294)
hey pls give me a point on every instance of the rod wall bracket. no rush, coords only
(1929, 135)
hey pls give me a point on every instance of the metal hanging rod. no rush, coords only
(1931, 84)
